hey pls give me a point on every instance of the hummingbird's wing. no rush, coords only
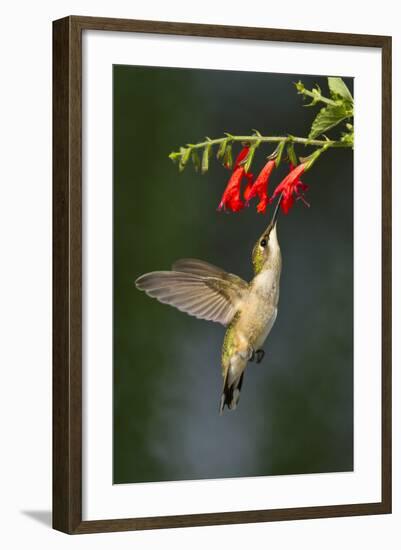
(197, 288)
(199, 267)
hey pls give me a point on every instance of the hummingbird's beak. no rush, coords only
(276, 211)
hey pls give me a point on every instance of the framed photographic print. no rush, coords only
(222, 272)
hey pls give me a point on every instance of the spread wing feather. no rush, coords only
(204, 269)
(197, 288)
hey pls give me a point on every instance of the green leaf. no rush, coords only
(279, 152)
(248, 161)
(299, 86)
(174, 156)
(292, 157)
(328, 117)
(222, 149)
(228, 156)
(338, 87)
(249, 158)
(348, 137)
(185, 154)
(195, 159)
(205, 158)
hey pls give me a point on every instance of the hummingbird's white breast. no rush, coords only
(259, 310)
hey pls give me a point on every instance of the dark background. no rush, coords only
(296, 409)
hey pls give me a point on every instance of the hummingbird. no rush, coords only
(248, 310)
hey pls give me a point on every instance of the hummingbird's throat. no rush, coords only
(258, 259)
(268, 256)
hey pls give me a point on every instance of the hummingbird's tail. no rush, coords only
(231, 393)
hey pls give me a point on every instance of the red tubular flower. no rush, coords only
(259, 188)
(241, 156)
(231, 198)
(291, 185)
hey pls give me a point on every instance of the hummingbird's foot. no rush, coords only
(259, 354)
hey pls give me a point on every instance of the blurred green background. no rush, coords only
(296, 409)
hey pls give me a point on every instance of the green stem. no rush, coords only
(318, 97)
(270, 139)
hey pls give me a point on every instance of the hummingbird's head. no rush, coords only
(266, 252)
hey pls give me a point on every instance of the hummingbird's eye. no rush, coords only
(263, 243)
